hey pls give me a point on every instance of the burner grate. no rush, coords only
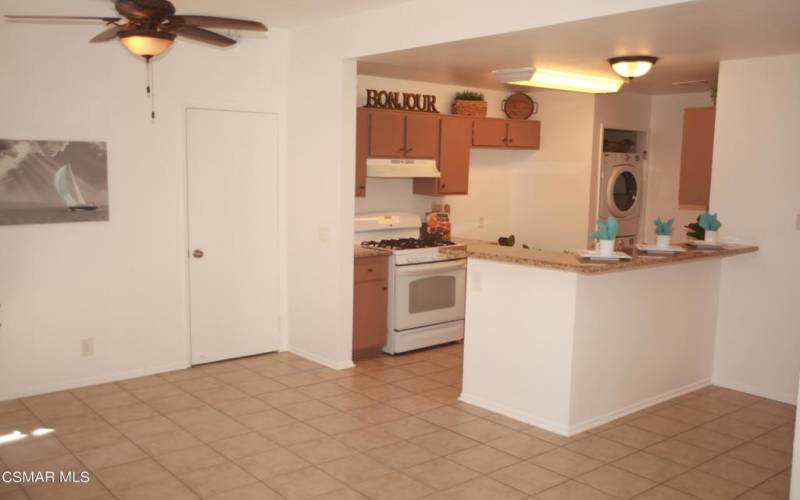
(408, 243)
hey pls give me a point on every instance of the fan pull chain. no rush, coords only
(151, 87)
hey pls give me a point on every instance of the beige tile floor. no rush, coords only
(278, 426)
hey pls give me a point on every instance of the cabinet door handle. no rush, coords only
(402, 149)
(385, 288)
(408, 150)
(511, 140)
(369, 269)
(444, 186)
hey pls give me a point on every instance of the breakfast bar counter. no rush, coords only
(567, 345)
(570, 261)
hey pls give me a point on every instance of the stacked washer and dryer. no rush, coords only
(621, 192)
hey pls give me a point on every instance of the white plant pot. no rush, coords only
(605, 248)
(662, 241)
(710, 237)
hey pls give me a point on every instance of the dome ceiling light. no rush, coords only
(631, 67)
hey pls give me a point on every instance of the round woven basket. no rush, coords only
(470, 108)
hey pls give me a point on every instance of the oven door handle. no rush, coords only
(438, 267)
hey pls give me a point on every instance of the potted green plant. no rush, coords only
(606, 235)
(469, 103)
(663, 233)
(711, 225)
(705, 228)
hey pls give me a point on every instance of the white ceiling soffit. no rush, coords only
(689, 38)
(281, 13)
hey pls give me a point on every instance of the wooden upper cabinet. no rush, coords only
(422, 136)
(455, 141)
(362, 151)
(387, 135)
(490, 132)
(524, 134)
(696, 153)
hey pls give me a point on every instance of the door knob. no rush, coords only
(198, 254)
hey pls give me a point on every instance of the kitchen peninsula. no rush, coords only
(567, 345)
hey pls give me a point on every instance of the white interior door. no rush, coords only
(232, 162)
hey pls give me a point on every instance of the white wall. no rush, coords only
(124, 281)
(755, 187)
(540, 196)
(664, 162)
(322, 134)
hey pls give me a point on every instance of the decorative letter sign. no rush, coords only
(382, 99)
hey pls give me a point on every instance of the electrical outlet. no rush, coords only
(324, 234)
(475, 280)
(87, 347)
(481, 222)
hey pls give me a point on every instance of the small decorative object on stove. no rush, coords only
(469, 103)
(663, 232)
(606, 234)
(506, 241)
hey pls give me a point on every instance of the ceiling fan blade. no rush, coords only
(220, 23)
(64, 18)
(205, 36)
(107, 35)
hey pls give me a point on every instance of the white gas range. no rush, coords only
(427, 286)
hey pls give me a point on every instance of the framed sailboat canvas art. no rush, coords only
(44, 182)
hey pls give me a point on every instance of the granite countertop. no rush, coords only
(362, 252)
(569, 261)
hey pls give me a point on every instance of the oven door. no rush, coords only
(428, 294)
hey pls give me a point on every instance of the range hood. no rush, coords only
(401, 168)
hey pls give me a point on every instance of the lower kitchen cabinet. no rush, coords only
(370, 301)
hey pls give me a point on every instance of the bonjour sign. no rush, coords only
(401, 100)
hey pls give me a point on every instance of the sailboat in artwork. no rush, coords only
(67, 188)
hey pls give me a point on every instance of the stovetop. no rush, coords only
(407, 243)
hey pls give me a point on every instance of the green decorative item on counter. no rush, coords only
(469, 95)
(506, 241)
(709, 222)
(663, 228)
(607, 230)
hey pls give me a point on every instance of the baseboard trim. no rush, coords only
(571, 430)
(336, 365)
(633, 408)
(495, 407)
(784, 397)
(100, 379)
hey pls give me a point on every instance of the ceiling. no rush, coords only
(276, 13)
(689, 38)
(282, 13)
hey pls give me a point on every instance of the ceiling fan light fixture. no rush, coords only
(631, 67)
(558, 80)
(146, 43)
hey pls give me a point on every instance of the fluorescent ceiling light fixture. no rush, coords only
(559, 80)
(631, 67)
(41, 431)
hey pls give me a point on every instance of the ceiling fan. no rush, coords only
(148, 27)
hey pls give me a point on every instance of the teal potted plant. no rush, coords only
(469, 103)
(663, 233)
(606, 236)
(705, 228)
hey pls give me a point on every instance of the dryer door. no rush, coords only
(622, 191)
